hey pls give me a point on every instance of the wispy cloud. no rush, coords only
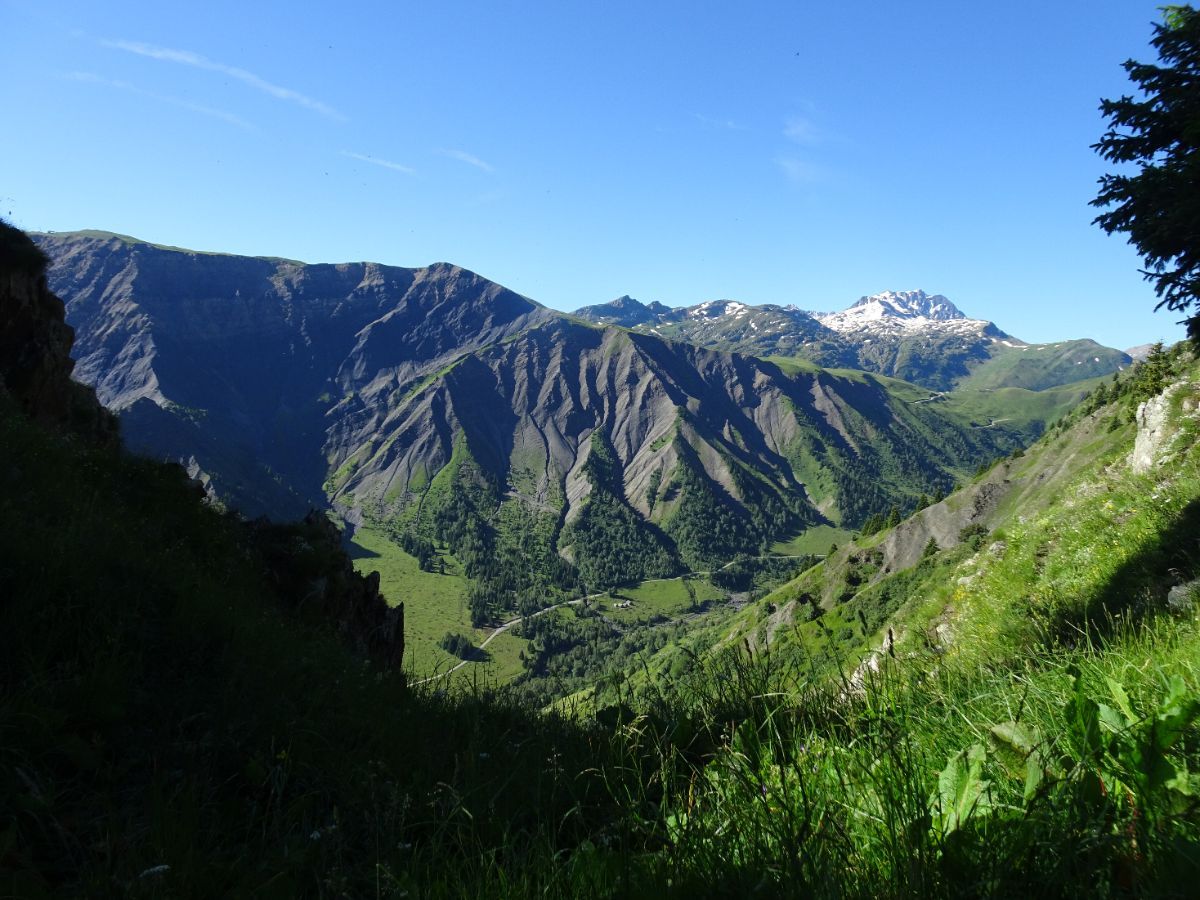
(376, 161)
(800, 171)
(463, 156)
(800, 130)
(195, 60)
(727, 124)
(90, 78)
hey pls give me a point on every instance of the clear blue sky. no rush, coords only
(787, 152)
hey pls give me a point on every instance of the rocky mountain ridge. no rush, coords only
(919, 337)
(233, 364)
(384, 391)
(527, 408)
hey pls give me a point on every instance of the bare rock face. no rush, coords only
(35, 346)
(253, 365)
(1152, 431)
(526, 411)
(1181, 599)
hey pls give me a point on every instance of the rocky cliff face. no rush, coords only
(35, 346)
(533, 403)
(803, 446)
(1164, 422)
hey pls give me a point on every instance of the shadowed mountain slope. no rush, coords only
(242, 359)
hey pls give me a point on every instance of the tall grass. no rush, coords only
(1014, 781)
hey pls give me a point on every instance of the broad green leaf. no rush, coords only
(1083, 724)
(962, 792)
(1035, 776)
(1175, 713)
(1184, 783)
(1121, 699)
(1020, 737)
(1111, 720)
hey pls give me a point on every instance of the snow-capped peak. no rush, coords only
(900, 311)
(907, 305)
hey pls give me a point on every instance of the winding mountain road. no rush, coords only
(500, 629)
(503, 628)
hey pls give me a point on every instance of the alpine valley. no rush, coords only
(524, 454)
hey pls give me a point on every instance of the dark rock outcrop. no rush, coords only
(310, 570)
(35, 346)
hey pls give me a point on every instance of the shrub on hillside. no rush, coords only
(456, 644)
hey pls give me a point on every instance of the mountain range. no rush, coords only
(393, 395)
(912, 335)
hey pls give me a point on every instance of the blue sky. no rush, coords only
(798, 152)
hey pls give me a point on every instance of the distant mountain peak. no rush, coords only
(625, 311)
(627, 302)
(909, 305)
(900, 312)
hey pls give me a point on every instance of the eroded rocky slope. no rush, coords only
(253, 370)
(382, 390)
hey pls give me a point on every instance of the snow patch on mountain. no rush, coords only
(712, 309)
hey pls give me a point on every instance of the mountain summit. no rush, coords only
(624, 311)
(905, 305)
(907, 312)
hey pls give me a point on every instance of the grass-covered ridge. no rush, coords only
(1013, 714)
(1037, 367)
